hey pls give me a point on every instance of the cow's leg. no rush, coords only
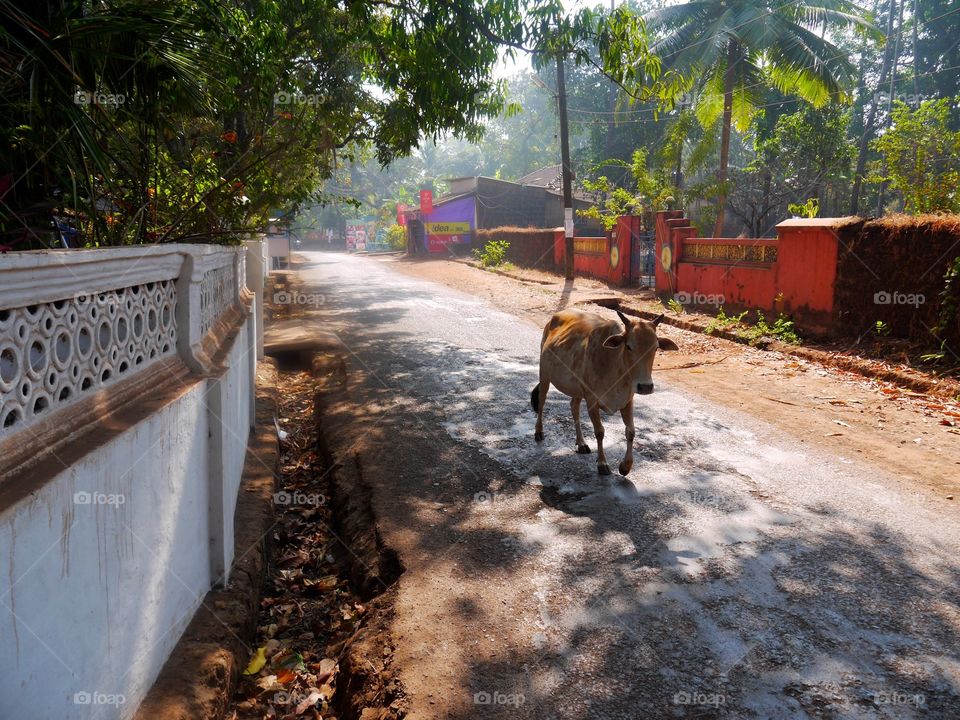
(594, 411)
(541, 401)
(582, 446)
(627, 414)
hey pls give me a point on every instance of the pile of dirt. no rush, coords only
(891, 270)
(529, 247)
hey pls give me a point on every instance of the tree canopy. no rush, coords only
(139, 121)
(146, 120)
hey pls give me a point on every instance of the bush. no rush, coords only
(782, 330)
(528, 247)
(724, 322)
(921, 157)
(397, 237)
(493, 254)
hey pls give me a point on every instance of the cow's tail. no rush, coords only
(535, 398)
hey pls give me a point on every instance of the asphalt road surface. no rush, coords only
(736, 572)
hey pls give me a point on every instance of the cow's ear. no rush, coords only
(614, 341)
(667, 344)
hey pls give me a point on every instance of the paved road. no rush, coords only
(736, 572)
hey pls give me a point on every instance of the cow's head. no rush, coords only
(639, 344)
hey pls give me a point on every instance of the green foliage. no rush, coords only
(397, 237)
(676, 306)
(651, 192)
(948, 322)
(782, 329)
(208, 118)
(800, 159)
(809, 209)
(921, 157)
(881, 329)
(706, 216)
(729, 51)
(723, 322)
(493, 254)
(770, 44)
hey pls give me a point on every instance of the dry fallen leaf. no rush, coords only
(308, 702)
(268, 682)
(328, 582)
(286, 675)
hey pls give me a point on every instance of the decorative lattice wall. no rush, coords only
(55, 352)
(66, 331)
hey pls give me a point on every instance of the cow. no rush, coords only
(590, 358)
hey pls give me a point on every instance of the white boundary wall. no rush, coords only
(126, 400)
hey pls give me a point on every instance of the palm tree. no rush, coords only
(730, 50)
(85, 87)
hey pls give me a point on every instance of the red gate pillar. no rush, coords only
(621, 241)
(665, 278)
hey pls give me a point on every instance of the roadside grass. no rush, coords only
(782, 329)
(493, 254)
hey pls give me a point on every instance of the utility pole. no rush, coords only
(613, 105)
(565, 165)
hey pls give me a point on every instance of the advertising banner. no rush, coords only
(356, 236)
(450, 222)
(426, 202)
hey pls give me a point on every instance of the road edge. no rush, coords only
(872, 370)
(940, 387)
(371, 688)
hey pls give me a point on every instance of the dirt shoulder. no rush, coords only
(915, 436)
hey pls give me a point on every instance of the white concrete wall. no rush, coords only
(95, 596)
(230, 418)
(105, 560)
(258, 266)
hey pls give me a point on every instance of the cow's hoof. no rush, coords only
(583, 449)
(603, 469)
(625, 468)
(538, 436)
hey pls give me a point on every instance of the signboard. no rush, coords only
(356, 236)
(450, 223)
(278, 245)
(426, 201)
(401, 218)
(447, 228)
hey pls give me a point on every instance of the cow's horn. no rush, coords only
(624, 319)
(656, 320)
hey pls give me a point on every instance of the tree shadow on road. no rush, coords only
(683, 591)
